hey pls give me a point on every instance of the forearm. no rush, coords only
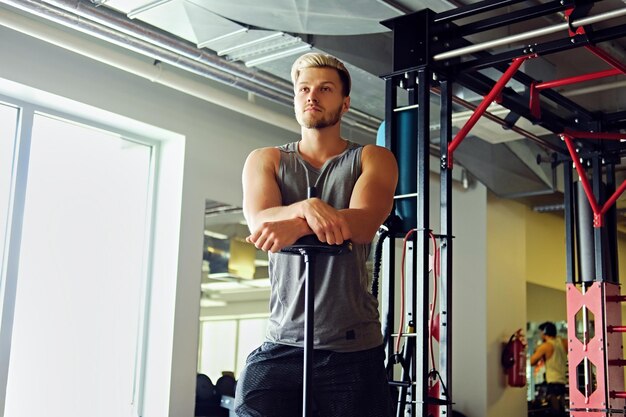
(273, 214)
(275, 235)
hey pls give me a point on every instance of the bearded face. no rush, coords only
(319, 102)
(315, 117)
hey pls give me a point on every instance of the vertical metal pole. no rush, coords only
(388, 296)
(570, 258)
(309, 324)
(389, 252)
(445, 300)
(309, 309)
(596, 166)
(408, 355)
(422, 237)
(610, 218)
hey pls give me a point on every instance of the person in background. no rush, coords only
(553, 354)
(355, 185)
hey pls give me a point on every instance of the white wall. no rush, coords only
(469, 288)
(216, 144)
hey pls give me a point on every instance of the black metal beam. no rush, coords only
(391, 98)
(445, 303)
(510, 18)
(421, 271)
(473, 9)
(570, 248)
(596, 168)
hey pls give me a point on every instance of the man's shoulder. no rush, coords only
(374, 155)
(377, 151)
(269, 152)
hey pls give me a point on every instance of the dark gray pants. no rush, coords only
(350, 384)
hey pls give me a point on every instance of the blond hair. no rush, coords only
(317, 60)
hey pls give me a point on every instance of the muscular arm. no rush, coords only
(543, 352)
(370, 204)
(273, 225)
(372, 197)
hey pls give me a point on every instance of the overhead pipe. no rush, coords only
(116, 28)
(138, 30)
(141, 46)
(141, 68)
(530, 34)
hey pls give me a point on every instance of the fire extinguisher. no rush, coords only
(514, 360)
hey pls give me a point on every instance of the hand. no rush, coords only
(325, 221)
(272, 236)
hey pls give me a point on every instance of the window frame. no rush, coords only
(84, 115)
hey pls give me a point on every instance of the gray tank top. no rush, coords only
(346, 313)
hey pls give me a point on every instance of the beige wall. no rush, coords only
(545, 249)
(506, 292)
(545, 304)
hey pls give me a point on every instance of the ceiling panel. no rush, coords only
(328, 17)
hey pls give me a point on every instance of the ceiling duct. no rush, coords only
(116, 28)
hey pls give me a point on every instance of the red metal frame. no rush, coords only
(578, 79)
(598, 212)
(606, 57)
(594, 135)
(609, 390)
(535, 108)
(482, 107)
(618, 68)
(616, 329)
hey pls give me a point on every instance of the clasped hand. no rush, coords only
(317, 217)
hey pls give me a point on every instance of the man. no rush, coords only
(355, 185)
(553, 353)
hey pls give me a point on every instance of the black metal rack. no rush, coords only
(430, 56)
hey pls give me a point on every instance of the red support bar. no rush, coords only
(597, 218)
(595, 135)
(600, 53)
(616, 329)
(578, 79)
(617, 298)
(534, 102)
(617, 362)
(482, 107)
(613, 198)
(618, 394)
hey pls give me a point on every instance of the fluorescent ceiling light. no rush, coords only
(215, 235)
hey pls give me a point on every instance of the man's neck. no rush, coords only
(319, 145)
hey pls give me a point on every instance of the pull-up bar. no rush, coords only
(530, 34)
(618, 68)
(598, 212)
(577, 79)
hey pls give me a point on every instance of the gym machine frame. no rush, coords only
(430, 55)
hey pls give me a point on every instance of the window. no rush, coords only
(226, 344)
(8, 123)
(218, 348)
(251, 335)
(82, 270)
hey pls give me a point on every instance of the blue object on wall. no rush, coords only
(406, 155)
